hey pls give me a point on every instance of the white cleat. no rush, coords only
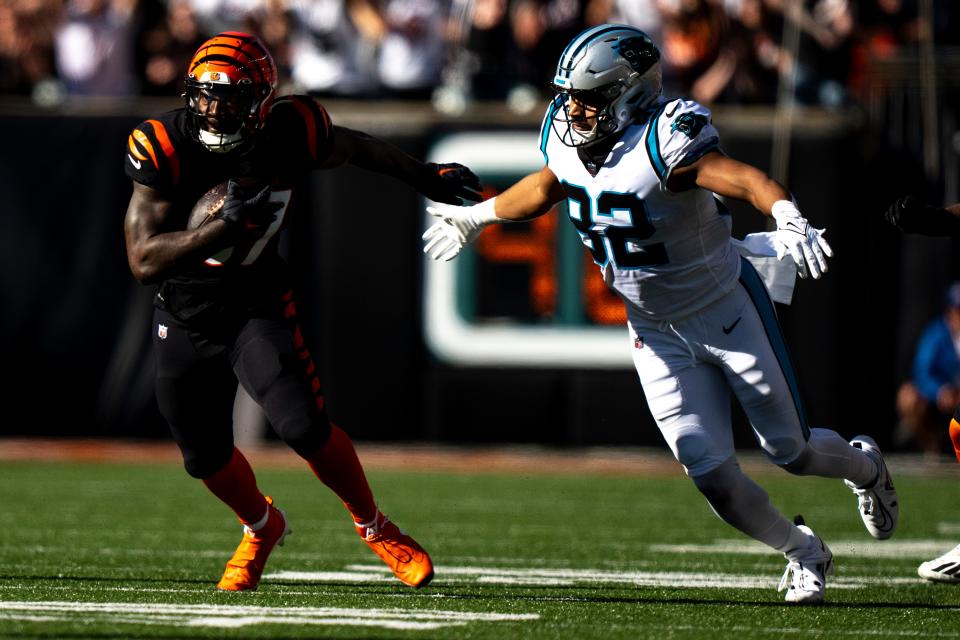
(809, 568)
(946, 568)
(877, 503)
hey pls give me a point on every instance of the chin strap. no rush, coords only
(220, 142)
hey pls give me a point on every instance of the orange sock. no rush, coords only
(337, 466)
(236, 486)
(955, 437)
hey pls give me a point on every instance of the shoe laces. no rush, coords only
(793, 567)
(369, 531)
(801, 574)
(865, 501)
(810, 570)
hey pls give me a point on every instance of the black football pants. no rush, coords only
(198, 366)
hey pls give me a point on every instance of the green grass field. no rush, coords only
(133, 551)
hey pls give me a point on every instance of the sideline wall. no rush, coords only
(74, 325)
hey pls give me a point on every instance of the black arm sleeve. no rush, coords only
(912, 215)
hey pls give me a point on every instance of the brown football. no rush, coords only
(208, 206)
(210, 203)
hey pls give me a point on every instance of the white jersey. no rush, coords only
(666, 254)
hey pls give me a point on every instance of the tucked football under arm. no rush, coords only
(153, 254)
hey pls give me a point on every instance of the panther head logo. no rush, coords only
(689, 124)
(639, 53)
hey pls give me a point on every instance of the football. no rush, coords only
(208, 206)
(210, 203)
(205, 210)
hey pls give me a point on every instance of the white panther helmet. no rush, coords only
(612, 67)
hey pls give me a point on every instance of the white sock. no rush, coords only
(743, 504)
(830, 456)
(261, 523)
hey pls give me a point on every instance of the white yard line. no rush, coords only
(919, 549)
(571, 577)
(915, 548)
(807, 631)
(226, 616)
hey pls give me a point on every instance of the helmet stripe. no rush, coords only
(585, 39)
(253, 42)
(216, 47)
(237, 64)
(586, 34)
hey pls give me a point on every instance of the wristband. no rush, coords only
(483, 213)
(783, 210)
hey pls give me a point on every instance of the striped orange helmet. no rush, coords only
(231, 84)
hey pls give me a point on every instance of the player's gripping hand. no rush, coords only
(795, 235)
(456, 228)
(244, 214)
(910, 214)
(451, 184)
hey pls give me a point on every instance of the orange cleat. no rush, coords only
(246, 566)
(407, 559)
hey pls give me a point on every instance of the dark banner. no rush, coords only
(74, 331)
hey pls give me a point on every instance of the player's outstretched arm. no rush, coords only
(448, 183)
(734, 179)
(910, 214)
(531, 197)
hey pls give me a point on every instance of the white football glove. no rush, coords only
(457, 228)
(795, 235)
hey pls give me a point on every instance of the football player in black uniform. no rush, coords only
(224, 308)
(910, 214)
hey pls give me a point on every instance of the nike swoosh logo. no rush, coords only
(670, 113)
(135, 163)
(730, 328)
(794, 226)
(886, 519)
(887, 523)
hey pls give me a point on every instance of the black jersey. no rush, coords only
(161, 154)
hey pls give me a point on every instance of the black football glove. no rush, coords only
(452, 183)
(910, 214)
(248, 214)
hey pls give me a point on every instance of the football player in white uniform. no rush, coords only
(639, 173)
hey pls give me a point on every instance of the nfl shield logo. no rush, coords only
(638, 343)
(162, 331)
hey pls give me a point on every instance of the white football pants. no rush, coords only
(688, 367)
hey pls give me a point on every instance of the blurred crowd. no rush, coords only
(457, 51)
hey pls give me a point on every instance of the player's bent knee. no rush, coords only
(305, 434)
(203, 464)
(726, 487)
(787, 452)
(691, 448)
(697, 453)
(798, 465)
